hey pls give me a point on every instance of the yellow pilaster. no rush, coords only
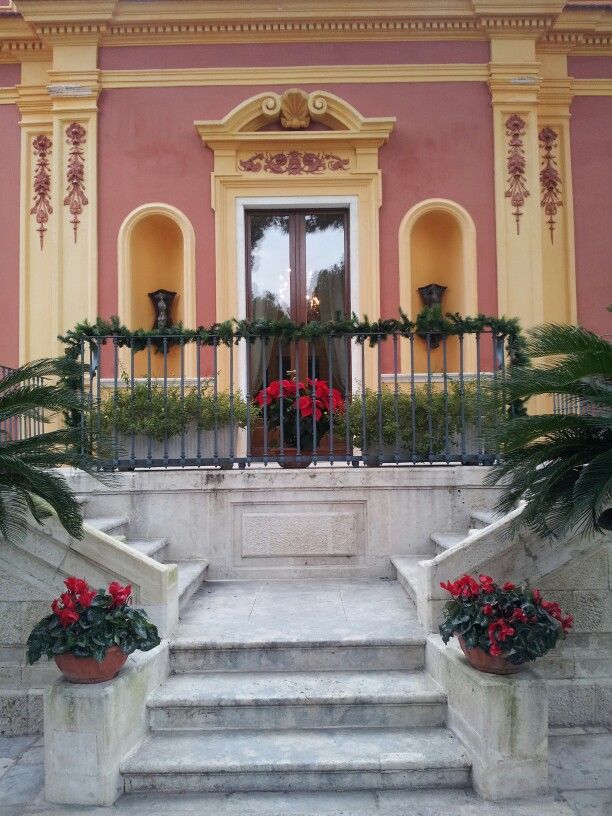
(558, 256)
(514, 84)
(38, 283)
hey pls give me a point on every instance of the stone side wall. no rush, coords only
(268, 522)
(580, 670)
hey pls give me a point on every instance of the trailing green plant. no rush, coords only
(560, 463)
(510, 620)
(30, 479)
(87, 622)
(421, 423)
(151, 410)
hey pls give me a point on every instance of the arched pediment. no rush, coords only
(295, 111)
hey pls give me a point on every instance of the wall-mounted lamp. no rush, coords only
(162, 301)
(432, 295)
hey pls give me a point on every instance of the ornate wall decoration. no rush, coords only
(42, 208)
(294, 114)
(517, 190)
(550, 178)
(75, 174)
(293, 163)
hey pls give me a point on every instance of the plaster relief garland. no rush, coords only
(517, 190)
(41, 207)
(293, 163)
(550, 178)
(75, 174)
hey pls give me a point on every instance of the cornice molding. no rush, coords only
(592, 87)
(8, 96)
(350, 74)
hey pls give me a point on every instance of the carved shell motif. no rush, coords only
(294, 110)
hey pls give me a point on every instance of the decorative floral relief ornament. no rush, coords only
(293, 163)
(42, 208)
(75, 174)
(550, 178)
(517, 190)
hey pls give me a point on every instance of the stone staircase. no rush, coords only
(297, 686)
(408, 568)
(190, 573)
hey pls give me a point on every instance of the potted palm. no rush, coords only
(90, 632)
(501, 628)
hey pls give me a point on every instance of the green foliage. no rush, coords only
(29, 481)
(160, 413)
(560, 463)
(99, 627)
(400, 413)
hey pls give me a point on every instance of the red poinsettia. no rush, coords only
(299, 406)
(507, 620)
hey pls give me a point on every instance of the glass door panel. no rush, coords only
(297, 269)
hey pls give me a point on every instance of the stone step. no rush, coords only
(195, 654)
(304, 760)
(483, 518)
(408, 571)
(155, 548)
(109, 525)
(190, 577)
(297, 700)
(447, 540)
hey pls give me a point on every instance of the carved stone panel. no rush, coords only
(291, 531)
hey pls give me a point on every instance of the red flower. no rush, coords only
(567, 622)
(337, 401)
(67, 616)
(120, 594)
(499, 631)
(86, 597)
(486, 582)
(494, 650)
(321, 388)
(76, 585)
(306, 407)
(55, 606)
(508, 586)
(263, 398)
(465, 587)
(537, 596)
(487, 609)
(68, 600)
(519, 615)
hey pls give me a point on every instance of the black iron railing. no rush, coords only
(388, 399)
(21, 427)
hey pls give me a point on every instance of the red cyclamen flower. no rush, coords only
(120, 594)
(76, 585)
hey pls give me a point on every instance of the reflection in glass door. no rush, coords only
(297, 268)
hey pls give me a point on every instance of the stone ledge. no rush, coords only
(503, 722)
(90, 729)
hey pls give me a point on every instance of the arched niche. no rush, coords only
(437, 244)
(157, 251)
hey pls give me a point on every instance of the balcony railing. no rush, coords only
(395, 398)
(21, 427)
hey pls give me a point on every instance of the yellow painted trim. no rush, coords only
(469, 257)
(124, 280)
(8, 96)
(304, 74)
(592, 87)
(350, 136)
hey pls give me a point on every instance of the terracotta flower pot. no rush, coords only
(88, 670)
(484, 662)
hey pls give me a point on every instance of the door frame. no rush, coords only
(350, 203)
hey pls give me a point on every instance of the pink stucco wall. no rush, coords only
(279, 54)
(590, 67)
(442, 146)
(10, 74)
(9, 234)
(591, 136)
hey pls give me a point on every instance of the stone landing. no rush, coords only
(297, 686)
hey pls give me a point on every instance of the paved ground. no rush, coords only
(580, 768)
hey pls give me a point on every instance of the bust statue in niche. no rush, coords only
(162, 302)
